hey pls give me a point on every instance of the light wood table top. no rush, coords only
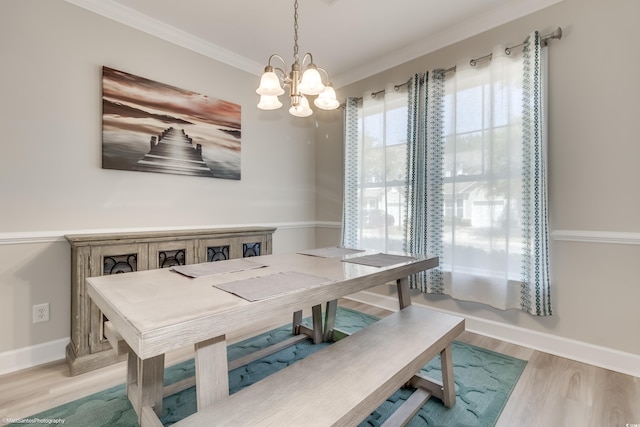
(156, 311)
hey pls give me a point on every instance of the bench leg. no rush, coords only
(212, 375)
(444, 390)
(448, 385)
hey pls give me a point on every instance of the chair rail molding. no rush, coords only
(607, 237)
(47, 236)
(50, 236)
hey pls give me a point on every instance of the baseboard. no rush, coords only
(591, 354)
(28, 357)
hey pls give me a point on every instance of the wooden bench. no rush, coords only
(343, 383)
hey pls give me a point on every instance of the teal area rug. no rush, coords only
(484, 380)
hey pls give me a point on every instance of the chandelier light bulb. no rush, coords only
(311, 82)
(302, 109)
(327, 99)
(269, 102)
(270, 85)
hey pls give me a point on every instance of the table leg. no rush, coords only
(212, 376)
(330, 319)
(297, 320)
(132, 377)
(145, 383)
(316, 312)
(315, 331)
(404, 296)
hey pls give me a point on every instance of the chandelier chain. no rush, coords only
(295, 31)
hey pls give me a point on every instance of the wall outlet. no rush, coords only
(41, 313)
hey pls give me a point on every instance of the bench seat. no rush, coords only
(343, 383)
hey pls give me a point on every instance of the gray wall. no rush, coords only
(593, 169)
(51, 180)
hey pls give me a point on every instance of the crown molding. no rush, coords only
(454, 34)
(132, 18)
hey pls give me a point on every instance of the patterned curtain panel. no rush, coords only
(352, 156)
(476, 180)
(536, 292)
(424, 189)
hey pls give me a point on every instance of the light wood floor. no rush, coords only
(552, 391)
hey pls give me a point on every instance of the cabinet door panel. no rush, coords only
(250, 249)
(117, 259)
(250, 246)
(106, 260)
(218, 253)
(117, 264)
(168, 254)
(210, 250)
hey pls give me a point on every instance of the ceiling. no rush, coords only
(351, 39)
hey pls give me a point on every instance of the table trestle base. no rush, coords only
(144, 383)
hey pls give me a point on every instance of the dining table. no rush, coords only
(154, 312)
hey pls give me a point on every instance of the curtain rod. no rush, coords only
(544, 41)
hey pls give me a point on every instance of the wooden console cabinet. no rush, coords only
(114, 253)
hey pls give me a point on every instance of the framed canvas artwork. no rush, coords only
(154, 127)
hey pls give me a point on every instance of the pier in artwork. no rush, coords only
(173, 152)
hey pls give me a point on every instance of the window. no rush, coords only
(472, 186)
(482, 233)
(381, 172)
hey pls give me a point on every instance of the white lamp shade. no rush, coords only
(327, 99)
(302, 110)
(270, 85)
(269, 102)
(311, 83)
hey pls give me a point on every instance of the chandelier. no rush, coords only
(301, 84)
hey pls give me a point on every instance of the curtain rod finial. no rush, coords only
(557, 34)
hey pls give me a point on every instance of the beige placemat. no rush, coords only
(331, 252)
(216, 267)
(379, 260)
(262, 287)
